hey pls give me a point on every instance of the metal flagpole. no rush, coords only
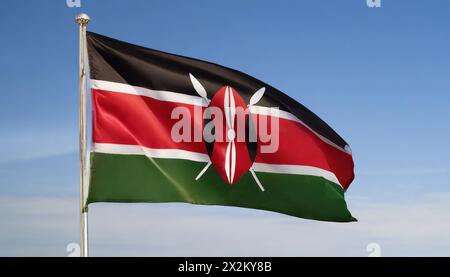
(82, 20)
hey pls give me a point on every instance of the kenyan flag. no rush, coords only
(168, 128)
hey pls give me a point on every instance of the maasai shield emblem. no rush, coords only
(232, 152)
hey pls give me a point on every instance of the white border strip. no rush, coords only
(170, 96)
(296, 169)
(161, 95)
(124, 149)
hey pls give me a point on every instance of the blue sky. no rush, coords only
(379, 77)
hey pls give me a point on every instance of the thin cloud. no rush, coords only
(405, 171)
(44, 226)
(24, 145)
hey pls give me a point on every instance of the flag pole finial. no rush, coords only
(82, 19)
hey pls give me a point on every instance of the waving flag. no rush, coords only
(168, 128)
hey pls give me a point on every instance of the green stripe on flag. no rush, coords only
(137, 178)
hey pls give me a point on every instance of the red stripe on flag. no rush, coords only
(137, 120)
(299, 146)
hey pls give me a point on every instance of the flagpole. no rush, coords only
(82, 20)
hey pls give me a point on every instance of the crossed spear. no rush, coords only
(230, 113)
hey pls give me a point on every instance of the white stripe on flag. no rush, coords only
(123, 149)
(161, 95)
(296, 169)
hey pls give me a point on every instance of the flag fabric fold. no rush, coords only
(150, 115)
